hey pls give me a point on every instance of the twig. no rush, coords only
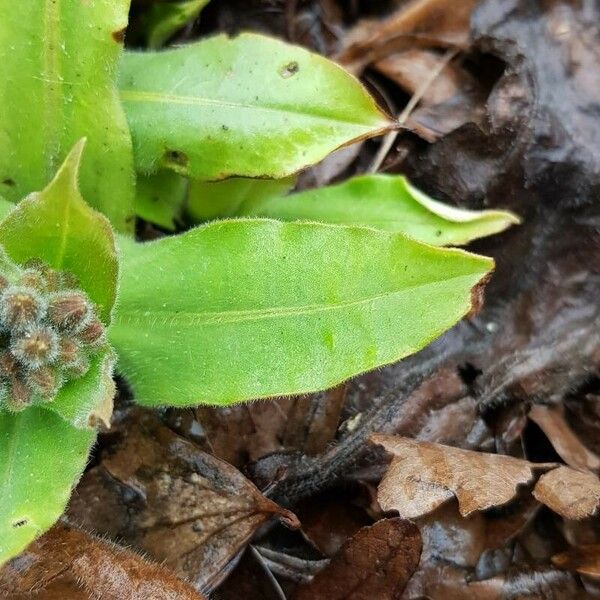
(390, 138)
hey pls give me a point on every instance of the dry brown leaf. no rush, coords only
(424, 475)
(327, 522)
(376, 562)
(451, 100)
(410, 68)
(572, 494)
(246, 432)
(424, 23)
(160, 493)
(442, 581)
(583, 559)
(551, 420)
(71, 564)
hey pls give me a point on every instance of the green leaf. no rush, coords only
(59, 62)
(256, 308)
(88, 401)
(164, 19)
(221, 199)
(57, 226)
(383, 202)
(41, 459)
(160, 198)
(250, 106)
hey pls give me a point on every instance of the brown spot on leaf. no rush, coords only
(119, 36)
(176, 157)
(289, 69)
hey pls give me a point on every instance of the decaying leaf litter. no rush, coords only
(510, 123)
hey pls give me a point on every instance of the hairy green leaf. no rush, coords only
(210, 200)
(160, 198)
(41, 459)
(88, 401)
(59, 62)
(164, 19)
(256, 308)
(250, 106)
(58, 227)
(385, 202)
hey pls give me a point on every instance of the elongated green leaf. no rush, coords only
(165, 18)
(41, 459)
(380, 201)
(250, 106)
(160, 198)
(254, 308)
(229, 198)
(57, 226)
(59, 61)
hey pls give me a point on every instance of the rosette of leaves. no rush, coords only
(227, 312)
(233, 310)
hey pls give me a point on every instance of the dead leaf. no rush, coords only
(572, 494)
(584, 559)
(445, 582)
(328, 521)
(376, 563)
(69, 561)
(451, 100)
(551, 420)
(410, 68)
(423, 476)
(247, 432)
(161, 494)
(425, 23)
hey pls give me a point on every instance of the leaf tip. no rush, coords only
(68, 172)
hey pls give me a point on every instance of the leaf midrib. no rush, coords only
(164, 98)
(183, 317)
(51, 83)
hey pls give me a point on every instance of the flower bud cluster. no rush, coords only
(49, 330)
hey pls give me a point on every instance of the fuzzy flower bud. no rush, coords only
(69, 310)
(36, 347)
(49, 331)
(21, 307)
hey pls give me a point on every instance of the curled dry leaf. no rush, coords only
(454, 97)
(572, 494)
(583, 559)
(551, 420)
(425, 23)
(160, 493)
(424, 475)
(377, 562)
(79, 566)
